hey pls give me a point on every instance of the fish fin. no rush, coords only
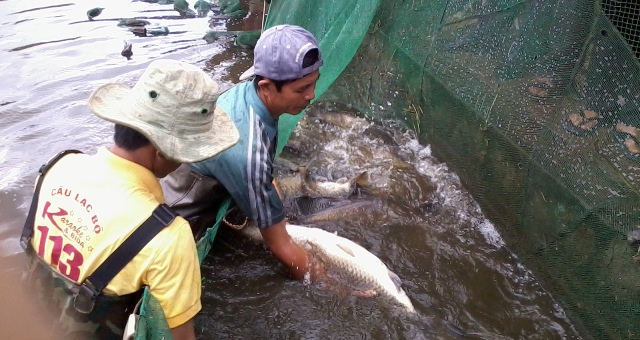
(304, 183)
(369, 293)
(346, 249)
(287, 164)
(362, 179)
(302, 170)
(395, 278)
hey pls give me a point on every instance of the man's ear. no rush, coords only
(265, 84)
(159, 154)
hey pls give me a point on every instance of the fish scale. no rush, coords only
(351, 260)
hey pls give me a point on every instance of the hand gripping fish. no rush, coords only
(348, 259)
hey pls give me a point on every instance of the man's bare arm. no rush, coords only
(185, 331)
(291, 255)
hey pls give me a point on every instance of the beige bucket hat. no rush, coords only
(173, 105)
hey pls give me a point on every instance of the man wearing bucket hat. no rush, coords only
(98, 231)
(285, 71)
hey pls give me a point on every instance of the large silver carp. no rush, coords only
(348, 259)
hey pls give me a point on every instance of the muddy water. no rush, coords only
(422, 224)
(455, 268)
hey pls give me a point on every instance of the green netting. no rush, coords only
(493, 86)
(152, 324)
(204, 243)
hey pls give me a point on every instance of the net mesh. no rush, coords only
(533, 103)
(625, 15)
(151, 322)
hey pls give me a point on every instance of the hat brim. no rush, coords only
(248, 74)
(112, 102)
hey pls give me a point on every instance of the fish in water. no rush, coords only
(299, 183)
(351, 210)
(94, 12)
(342, 119)
(127, 52)
(347, 259)
(304, 205)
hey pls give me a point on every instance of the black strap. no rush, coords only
(93, 285)
(27, 230)
(161, 217)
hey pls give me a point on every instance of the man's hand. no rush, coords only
(290, 254)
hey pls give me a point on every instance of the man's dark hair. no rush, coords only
(309, 59)
(128, 138)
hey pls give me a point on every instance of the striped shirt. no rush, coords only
(245, 170)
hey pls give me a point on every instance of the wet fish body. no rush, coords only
(342, 119)
(348, 259)
(351, 260)
(298, 184)
(342, 210)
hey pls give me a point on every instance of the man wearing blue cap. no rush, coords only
(285, 71)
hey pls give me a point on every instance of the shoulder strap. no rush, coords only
(27, 230)
(161, 217)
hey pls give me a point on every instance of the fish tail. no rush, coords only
(457, 331)
(302, 170)
(305, 186)
(362, 179)
(397, 281)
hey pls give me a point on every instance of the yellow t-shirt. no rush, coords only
(88, 206)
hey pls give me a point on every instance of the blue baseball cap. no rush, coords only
(279, 53)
